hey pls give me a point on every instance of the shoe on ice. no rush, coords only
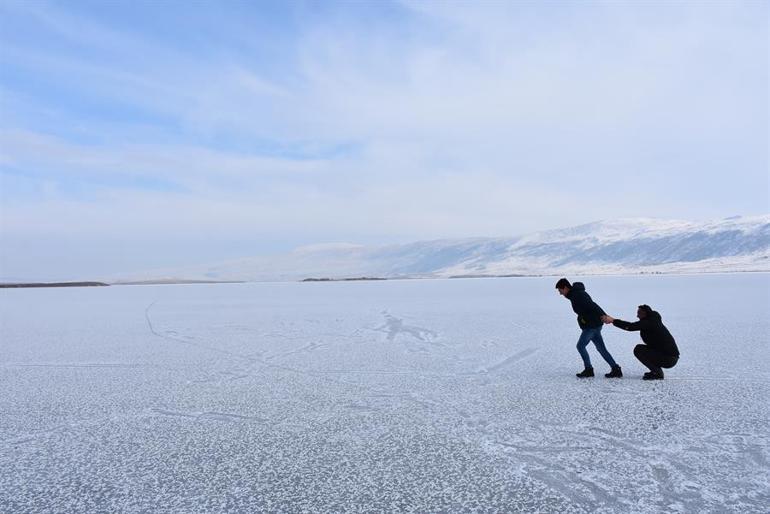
(616, 372)
(586, 373)
(653, 375)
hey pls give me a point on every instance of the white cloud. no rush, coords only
(464, 118)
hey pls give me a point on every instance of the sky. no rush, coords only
(143, 134)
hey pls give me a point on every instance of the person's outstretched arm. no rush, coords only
(631, 327)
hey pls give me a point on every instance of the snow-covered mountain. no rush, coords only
(631, 245)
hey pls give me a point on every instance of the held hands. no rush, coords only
(607, 319)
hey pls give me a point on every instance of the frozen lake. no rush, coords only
(422, 395)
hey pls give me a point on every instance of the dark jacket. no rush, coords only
(653, 332)
(589, 314)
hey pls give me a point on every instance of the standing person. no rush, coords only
(659, 349)
(590, 321)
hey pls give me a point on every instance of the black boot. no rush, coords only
(615, 373)
(586, 373)
(653, 375)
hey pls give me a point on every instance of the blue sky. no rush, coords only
(136, 135)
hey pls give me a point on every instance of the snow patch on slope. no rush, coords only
(628, 245)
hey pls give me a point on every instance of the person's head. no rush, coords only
(643, 311)
(563, 286)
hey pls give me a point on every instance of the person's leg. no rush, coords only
(668, 361)
(585, 338)
(647, 357)
(654, 360)
(599, 343)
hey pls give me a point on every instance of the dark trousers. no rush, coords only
(654, 359)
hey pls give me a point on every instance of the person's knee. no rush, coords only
(639, 350)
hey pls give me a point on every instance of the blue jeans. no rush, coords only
(595, 335)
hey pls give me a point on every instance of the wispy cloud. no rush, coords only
(377, 121)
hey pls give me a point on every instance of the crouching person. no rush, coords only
(659, 349)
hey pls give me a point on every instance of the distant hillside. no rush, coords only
(172, 281)
(52, 284)
(638, 245)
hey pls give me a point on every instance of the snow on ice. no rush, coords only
(414, 395)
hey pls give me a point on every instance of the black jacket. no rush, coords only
(589, 314)
(653, 332)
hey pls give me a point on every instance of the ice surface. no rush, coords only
(420, 395)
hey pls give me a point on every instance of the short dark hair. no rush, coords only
(562, 283)
(646, 308)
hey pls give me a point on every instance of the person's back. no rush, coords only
(589, 313)
(659, 349)
(658, 337)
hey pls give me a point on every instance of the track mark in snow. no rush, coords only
(227, 416)
(217, 416)
(365, 372)
(516, 357)
(220, 377)
(610, 438)
(665, 470)
(409, 397)
(164, 412)
(528, 448)
(360, 407)
(660, 473)
(737, 443)
(308, 348)
(675, 487)
(574, 486)
(37, 435)
(85, 365)
(716, 379)
(174, 336)
(249, 358)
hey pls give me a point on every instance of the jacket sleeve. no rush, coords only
(588, 307)
(631, 327)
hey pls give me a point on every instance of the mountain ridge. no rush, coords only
(620, 246)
